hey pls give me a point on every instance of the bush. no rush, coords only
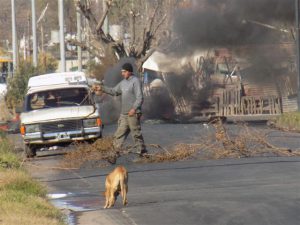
(289, 121)
(7, 158)
(18, 83)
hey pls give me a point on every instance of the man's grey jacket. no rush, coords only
(131, 92)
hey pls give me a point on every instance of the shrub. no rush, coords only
(18, 83)
(7, 157)
(289, 121)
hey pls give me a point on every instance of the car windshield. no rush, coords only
(57, 98)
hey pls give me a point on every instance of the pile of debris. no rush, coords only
(247, 143)
(101, 152)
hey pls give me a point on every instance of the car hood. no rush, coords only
(61, 113)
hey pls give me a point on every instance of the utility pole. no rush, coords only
(14, 35)
(298, 49)
(42, 38)
(61, 35)
(79, 52)
(105, 24)
(34, 40)
(25, 47)
(41, 20)
(87, 37)
(29, 35)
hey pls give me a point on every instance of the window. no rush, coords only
(57, 98)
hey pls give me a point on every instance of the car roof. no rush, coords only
(57, 78)
(54, 87)
(56, 81)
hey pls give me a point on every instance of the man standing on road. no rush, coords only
(132, 99)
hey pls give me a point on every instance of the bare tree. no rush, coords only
(144, 20)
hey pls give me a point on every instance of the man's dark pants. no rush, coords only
(129, 124)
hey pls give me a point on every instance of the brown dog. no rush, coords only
(116, 182)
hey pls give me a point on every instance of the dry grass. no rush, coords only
(288, 121)
(23, 201)
(5, 114)
(8, 159)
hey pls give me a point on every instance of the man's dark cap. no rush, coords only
(127, 67)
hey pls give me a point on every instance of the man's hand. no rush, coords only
(131, 112)
(97, 89)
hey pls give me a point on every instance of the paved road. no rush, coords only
(238, 191)
(226, 192)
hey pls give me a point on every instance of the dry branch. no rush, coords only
(159, 24)
(160, 147)
(101, 21)
(141, 48)
(90, 48)
(86, 11)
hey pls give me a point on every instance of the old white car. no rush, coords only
(58, 109)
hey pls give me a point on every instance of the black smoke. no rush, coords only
(113, 75)
(223, 23)
(240, 26)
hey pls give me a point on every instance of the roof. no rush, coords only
(57, 80)
(161, 62)
(151, 62)
(53, 87)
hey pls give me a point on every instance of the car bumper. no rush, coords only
(58, 137)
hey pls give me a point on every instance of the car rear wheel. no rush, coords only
(30, 151)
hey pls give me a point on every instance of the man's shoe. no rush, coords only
(143, 153)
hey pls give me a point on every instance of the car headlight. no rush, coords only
(92, 122)
(33, 128)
